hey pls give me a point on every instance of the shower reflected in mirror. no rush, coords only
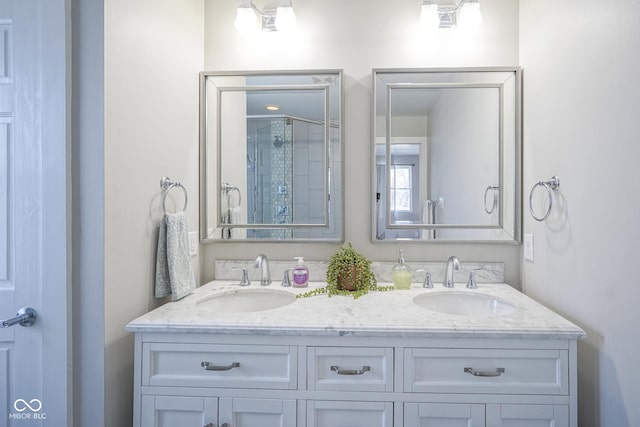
(276, 137)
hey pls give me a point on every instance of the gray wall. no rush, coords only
(579, 61)
(580, 99)
(153, 53)
(387, 35)
(581, 104)
(88, 205)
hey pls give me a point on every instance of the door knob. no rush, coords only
(26, 317)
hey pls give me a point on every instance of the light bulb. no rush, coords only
(246, 20)
(470, 17)
(429, 18)
(285, 18)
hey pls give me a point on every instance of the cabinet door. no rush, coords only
(443, 415)
(171, 411)
(349, 414)
(527, 416)
(239, 412)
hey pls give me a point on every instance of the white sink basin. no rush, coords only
(465, 304)
(246, 300)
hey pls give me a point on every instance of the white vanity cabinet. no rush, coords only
(205, 379)
(378, 361)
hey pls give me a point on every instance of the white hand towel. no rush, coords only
(174, 275)
(235, 217)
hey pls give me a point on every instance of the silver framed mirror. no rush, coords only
(271, 156)
(447, 155)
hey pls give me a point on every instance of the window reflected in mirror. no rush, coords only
(446, 146)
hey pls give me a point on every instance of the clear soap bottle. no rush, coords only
(300, 274)
(401, 273)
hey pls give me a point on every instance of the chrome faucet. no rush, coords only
(452, 265)
(265, 275)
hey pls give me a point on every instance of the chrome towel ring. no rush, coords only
(551, 185)
(228, 189)
(166, 184)
(494, 190)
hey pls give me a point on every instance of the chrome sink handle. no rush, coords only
(471, 283)
(428, 283)
(245, 276)
(286, 281)
(427, 280)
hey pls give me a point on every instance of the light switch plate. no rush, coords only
(528, 247)
(193, 243)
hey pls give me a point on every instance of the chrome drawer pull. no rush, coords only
(496, 373)
(361, 371)
(208, 367)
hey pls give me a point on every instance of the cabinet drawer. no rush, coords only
(486, 371)
(211, 365)
(350, 368)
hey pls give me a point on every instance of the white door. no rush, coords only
(34, 380)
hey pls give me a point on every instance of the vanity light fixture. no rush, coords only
(285, 18)
(251, 19)
(466, 15)
(246, 18)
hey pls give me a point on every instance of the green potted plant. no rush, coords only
(348, 273)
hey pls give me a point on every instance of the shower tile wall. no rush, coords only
(281, 176)
(308, 177)
(309, 183)
(285, 177)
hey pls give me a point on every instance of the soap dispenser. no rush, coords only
(401, 273)
(300, 274)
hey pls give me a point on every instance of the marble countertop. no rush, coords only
(390, 313)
